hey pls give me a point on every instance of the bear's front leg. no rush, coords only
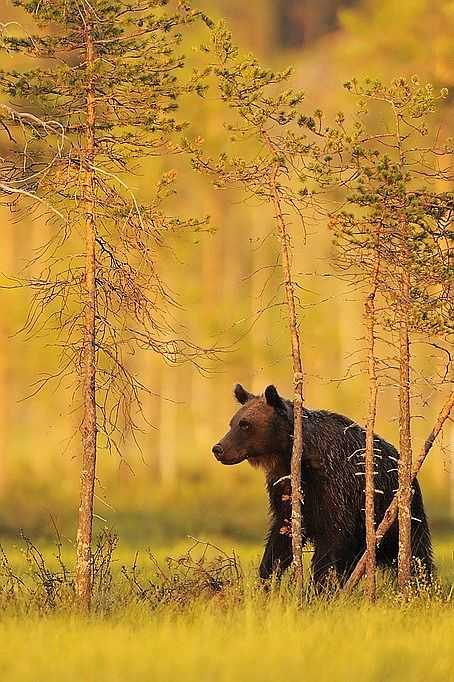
(278, 551)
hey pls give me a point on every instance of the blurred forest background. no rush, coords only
(226, 283)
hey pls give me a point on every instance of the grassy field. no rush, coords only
(273, 642)
(241, 633)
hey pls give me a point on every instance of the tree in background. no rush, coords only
(266, 112)
(111, 84)
(387, 38)
(398, 245)
(13, 151)
(303, 22)
(13, 157)
(365, 257)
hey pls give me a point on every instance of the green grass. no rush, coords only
(249, 643)
(232, 636)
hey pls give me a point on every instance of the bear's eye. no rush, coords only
(244, 425)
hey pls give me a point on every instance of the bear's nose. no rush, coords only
(218, 450)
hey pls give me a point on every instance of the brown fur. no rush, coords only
(253, 443)
(332, 484)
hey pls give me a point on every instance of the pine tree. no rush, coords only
(108, 79)
(273, 168)
(396, 243)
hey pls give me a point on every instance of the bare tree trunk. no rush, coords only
(405, 458)
(298, 386)
(168, 426)
(391, 513)
(7, 398)
(371, 563)
(84, 576)
(451, 474)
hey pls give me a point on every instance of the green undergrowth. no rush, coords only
(260, 637)
(195, 611)
(177, 579)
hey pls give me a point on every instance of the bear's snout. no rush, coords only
(218, 451)
(226, 454)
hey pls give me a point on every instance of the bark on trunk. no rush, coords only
(168, 426)
(451, 474)
(7, 398)
(84, 577)
(298, 386)
(391, 513)
(371, 562)
(405, 457)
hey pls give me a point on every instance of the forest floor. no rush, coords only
(240, 633)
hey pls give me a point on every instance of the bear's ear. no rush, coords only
(241, 394)
(273, 398)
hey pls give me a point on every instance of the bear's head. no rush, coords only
(260, 431)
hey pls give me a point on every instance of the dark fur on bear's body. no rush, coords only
(332, 485)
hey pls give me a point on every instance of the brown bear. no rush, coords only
(332, 485)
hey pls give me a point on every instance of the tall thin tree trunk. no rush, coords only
(451, 474)
(391, 513)
(7, 398)
(405, 458)
(168, 426)
(298, 385)
(84, 576)
(370, 428)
